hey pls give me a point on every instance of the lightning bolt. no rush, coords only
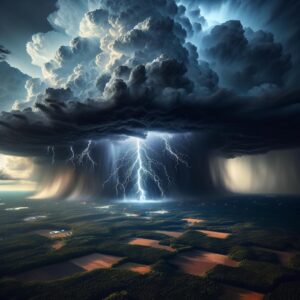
(86, 155)
(72, 158)
(137, 166)
(140, 172)
(178, 157)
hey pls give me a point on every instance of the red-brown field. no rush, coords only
(58, 245)
(96, 261)
(138, 268)
(60, 270)
(150, 243)
(233, 293)
(174, 234)
(215, 234)
(199, 262)
(192, 221)
(52, 272)
(54, 234)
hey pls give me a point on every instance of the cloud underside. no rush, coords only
(237, 125)
(4, 176)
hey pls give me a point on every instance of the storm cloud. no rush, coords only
(122, 69)
(239, 125)
(4, 176)
(3, 52)
(12, 85)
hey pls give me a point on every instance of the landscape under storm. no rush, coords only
(150, 149)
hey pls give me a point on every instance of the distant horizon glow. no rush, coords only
(138, 201)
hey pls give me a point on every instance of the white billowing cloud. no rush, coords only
(69, 14)
(93, 40)
(82, 81)
(43, 46)
(16, 173)
(74, 66)
(16, 167)
(35, 88)
(95, 23)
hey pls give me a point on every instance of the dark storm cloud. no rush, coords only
(4, 176)
(238, 125)
(12, 85)
(238, 55)
(281, 17)
(3, 52)
(58, 95)
(159, 82)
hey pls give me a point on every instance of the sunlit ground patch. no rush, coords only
(68, 268)
(138, 268)
(233, 293)
(34, 218)
(215, 234)
(16, 208)
(58, 245)
(132, 215)
(54, 234)
(150, 243)
(174, 234)
(199, 262)
(142, 202)
(96, 261)
(104, 207)
(193, 221)
(159, 212)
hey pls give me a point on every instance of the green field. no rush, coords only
(258, 225)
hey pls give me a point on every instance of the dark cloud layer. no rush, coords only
(238, 125)
(244, 58)
(4, 176)
(280, 17)
(3, 52)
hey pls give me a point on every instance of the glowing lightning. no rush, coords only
(137, 165)
(177, 156)
(86, 154)
(140, 171)
(71, 159)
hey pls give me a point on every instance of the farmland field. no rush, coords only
(219, 248)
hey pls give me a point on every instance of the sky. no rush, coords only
(19, 20)
(87, 82)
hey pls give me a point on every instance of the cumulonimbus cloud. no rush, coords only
(134, 67)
